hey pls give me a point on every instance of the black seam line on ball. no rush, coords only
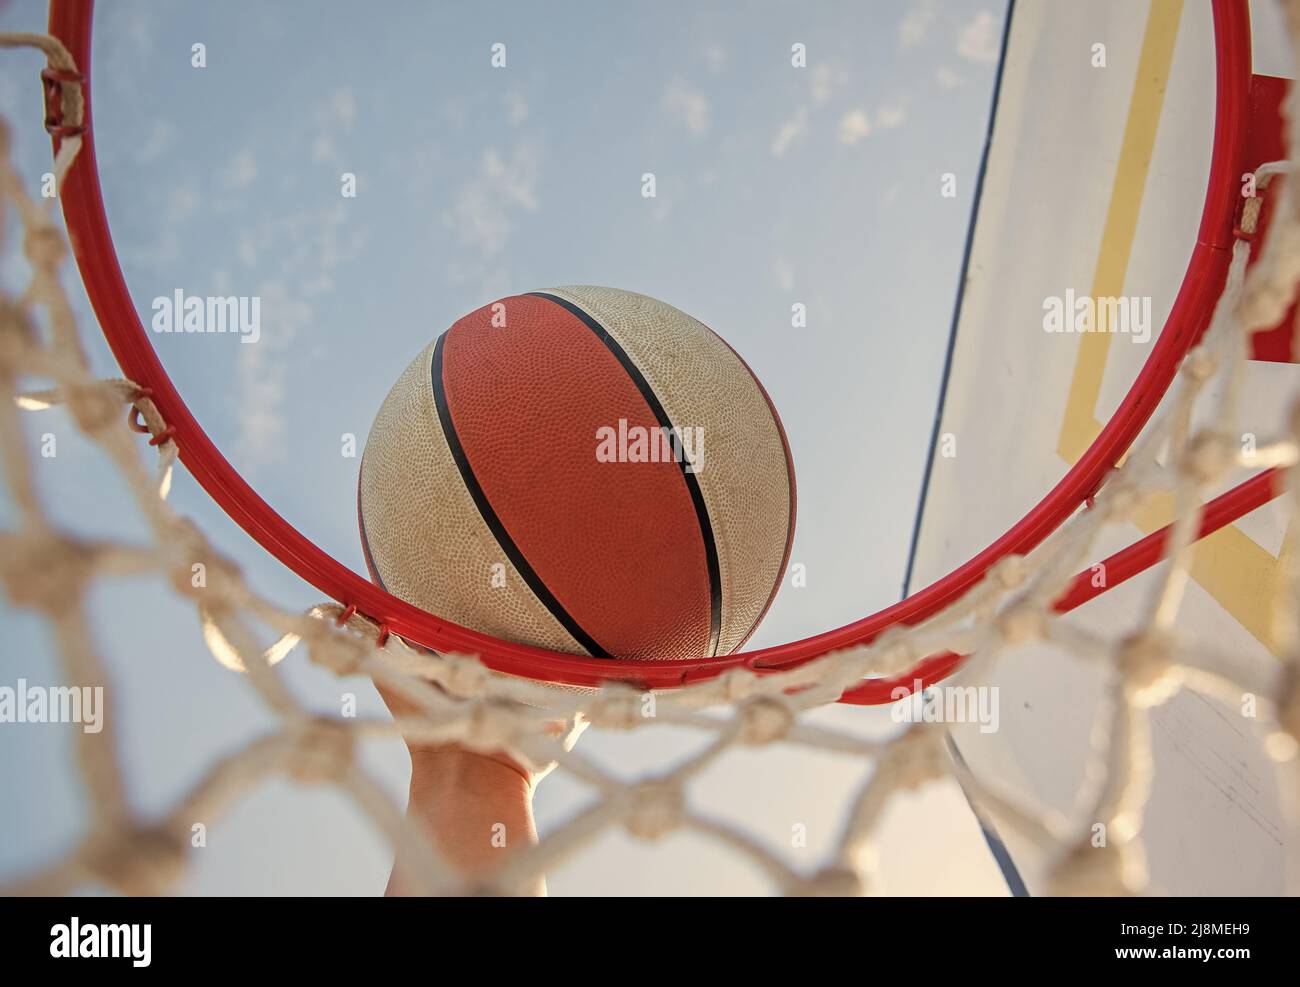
(371, 566)
(490, 518)
(692, 482)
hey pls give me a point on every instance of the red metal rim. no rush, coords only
(83, 207)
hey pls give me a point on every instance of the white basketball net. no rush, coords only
(51, 570)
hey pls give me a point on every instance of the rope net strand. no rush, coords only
(51, 570)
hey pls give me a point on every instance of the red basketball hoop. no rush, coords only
(70, 21)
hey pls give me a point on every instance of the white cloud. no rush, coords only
(783, 274)
(182, 202)
(293, 258)
(890, 116)
(916, 24)
(320, 285)
(979, 39)
(342, 108)
(948, 79)
(241, 171)
(689, 107)
(334, 116)
(161, 137)
(480, 214)
(516, 109)
(827, 78)
(419, 158)
(854, 126)
(132, 28)
(248, 250)
(260, 381)
(323, 148)
(517, 180)
(716, 57)
(12, 101)
(480, 220)
(790, 131)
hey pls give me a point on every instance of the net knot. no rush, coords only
(342, 640)
(1200, 365)
(618, 707)
(764, 720)
(493, 724)
(1284, 744)
(47, 571)
(1010, 571)
(137, 861)
(336, 651)
(830, 882)
(321, 750)
(737, 684)
(95, 407)
(893, 652)
(1122, 500)
(1208, 456)
(1114, 870)
(913, 758)
(657, 808)
(16, 335)
(1145, 662)
(219, 576)
(1021, 622)
(44, 247)
(1293, 420)
(465, 678)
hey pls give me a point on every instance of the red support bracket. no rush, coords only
(1264, 143)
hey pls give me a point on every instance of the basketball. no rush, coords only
(582, 469)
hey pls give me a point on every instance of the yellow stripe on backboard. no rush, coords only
(1080, 426)
(1231, 566)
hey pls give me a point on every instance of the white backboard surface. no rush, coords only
(1094, 183)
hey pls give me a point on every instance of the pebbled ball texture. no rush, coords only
(482, 498)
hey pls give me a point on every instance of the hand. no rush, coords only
(476, 807)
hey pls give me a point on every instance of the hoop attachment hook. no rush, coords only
(350, 611)
(164, 433)
(52, 81)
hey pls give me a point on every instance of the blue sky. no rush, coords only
(775, 186)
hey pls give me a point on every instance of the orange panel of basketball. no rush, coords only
(583, 469)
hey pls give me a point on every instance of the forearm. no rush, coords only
(476, 810)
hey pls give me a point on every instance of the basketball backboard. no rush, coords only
(1093, 186)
